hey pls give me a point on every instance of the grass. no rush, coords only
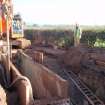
(100, 43)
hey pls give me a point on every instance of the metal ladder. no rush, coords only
(92, 99)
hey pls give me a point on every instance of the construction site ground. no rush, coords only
(87, 65)
(60, 61)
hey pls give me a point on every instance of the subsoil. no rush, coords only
(86, 62)
(89, 64)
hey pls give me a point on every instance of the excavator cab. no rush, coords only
(17, 27)
(17, 36)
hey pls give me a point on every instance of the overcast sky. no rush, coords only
(85, 12)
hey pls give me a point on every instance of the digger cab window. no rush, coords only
(17, 26)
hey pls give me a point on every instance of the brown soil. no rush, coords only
(89, 64)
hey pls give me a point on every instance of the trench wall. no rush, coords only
(45, 83)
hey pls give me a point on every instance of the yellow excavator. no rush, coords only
(12, 25)
(17, 36)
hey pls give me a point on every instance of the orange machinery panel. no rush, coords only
(0, 17)
(4, 25)
(3, 22)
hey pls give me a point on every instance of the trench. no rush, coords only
(51, 61)
(77, 96)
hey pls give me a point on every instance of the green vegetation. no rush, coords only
(63, 36)
(100, 43)
(95, 38)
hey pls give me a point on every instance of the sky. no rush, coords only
(66, 12)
